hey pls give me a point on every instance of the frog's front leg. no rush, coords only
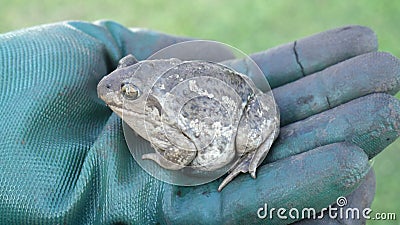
(171, 159)
(161, 161)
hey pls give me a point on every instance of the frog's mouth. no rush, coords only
(122, 112)
(134, 120)
(125, 114)
(116, 109)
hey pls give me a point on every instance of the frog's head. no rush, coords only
(120, 89)
(127, 90)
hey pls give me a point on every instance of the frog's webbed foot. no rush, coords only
(240, 166)
(160, 160)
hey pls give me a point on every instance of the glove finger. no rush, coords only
(360, 199)
(120, 41)
(281, 65)
(312, 179)
(292, 61)
(371, 122)
(356, 77)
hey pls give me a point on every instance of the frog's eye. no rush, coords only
(130, 91)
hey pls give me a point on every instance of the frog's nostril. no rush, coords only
(108, 86)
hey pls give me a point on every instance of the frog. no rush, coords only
(195, 113)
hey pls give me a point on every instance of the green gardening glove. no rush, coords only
(64, 160)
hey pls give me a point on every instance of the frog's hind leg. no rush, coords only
(260, 154)
(240, 166)
(160, 160)
(250, 161)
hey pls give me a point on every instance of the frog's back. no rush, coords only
(190, 70)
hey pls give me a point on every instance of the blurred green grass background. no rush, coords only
(248, 25)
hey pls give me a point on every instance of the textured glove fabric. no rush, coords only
(64, 160)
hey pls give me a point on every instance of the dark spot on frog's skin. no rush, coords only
(305, 100)
(179, 193)
(185, 115)
(387, 139)
(184, 134)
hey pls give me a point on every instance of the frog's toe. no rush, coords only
(241, 166)
(252, 170)
(253, 174)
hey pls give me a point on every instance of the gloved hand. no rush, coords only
(63, 158)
